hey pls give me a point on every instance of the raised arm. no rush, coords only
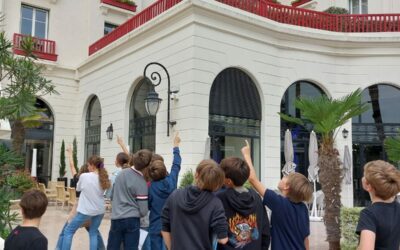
(71, 161)
(176, 164)
(257, 185)
(122, 145)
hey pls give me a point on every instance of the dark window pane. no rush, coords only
(40, 29)
(27, 12)
(26, 27)
(108, 27)
(41, 15)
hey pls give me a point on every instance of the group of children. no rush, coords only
(217, 212)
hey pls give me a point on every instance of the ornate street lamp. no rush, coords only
(110, 132)
(152, 102)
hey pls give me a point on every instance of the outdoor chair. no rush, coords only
(50, 196)
(72, 196)
(61, 183)
(61, 196)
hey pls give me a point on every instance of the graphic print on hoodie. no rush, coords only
(193, 216)
(248, 225)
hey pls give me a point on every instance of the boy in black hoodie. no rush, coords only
(248, 224)
(192, 216)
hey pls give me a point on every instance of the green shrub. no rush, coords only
(129, 2)
(187, 179)
(7, 218)
(9, 158)
(18, 182)
(62, 170)
(75, 154)
(348, 220)
(336, 10)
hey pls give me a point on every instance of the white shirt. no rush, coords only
(91, 199)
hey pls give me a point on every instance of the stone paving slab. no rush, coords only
(54, 219)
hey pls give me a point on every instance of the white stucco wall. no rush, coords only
(197, 40)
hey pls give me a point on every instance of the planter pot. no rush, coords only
(64, 179)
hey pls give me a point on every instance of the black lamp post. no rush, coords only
(345, 133)
(152, 102)
(110, 132)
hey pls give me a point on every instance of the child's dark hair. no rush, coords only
(157, 170)
(97, 161)
(300, 189)
(235, 169)
(141, 159)
(33, 204)
(209, 176)
(84, 169)
(383, 177)
(122, 160)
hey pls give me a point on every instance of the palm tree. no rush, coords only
(327, 114)
(392, 146)
(22, 82)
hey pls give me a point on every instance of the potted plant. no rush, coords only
(62, 170)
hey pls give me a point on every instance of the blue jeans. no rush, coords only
(125, 231)
(70, 229)
(100, 242)
(157, 241)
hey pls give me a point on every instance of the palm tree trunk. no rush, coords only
(330, 176)
(18, 136)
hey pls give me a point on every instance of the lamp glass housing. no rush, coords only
(152, 103)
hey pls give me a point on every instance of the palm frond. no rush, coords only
(291, 119)
(392, 147)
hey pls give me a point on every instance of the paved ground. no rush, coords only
(54, 219)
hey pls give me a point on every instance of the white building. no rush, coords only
(234, 71)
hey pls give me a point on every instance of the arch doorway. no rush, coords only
(234, 115)
(300, 134)
(142, 127)
(93, 128)
(41, 138)
(370, 129)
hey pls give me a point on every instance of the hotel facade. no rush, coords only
(232, 65)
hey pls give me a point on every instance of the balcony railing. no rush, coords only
(276, 12)
(319, 20)
(43, 48)
(124, 6)
(141, 18)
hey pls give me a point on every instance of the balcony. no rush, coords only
(268, 9)
(121, 5)
(43, 48)
(299, 2)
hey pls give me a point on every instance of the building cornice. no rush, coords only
(214, 15)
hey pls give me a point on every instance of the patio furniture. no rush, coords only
(50, 196)
(61, 196)
(72, 196)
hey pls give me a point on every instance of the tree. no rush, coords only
(327, 114)
(392, 146)
(62, 160)
(74, 154)
(22, 82)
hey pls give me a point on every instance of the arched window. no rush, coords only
(41, 138)
(93, 128)
(370, 129)
(300, 134)
(142, 127)
(234, 115)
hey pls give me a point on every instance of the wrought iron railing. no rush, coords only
(92, 134)
(373, 133)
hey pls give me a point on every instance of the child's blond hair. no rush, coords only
(383, 177)
(209, 176)
(300, 189)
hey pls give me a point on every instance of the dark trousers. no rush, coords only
(125, 231)
(157, 242)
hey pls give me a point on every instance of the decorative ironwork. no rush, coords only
(368, 132)
(143, 126)
(155, 79)
(233, 126)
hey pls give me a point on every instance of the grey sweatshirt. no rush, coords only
(129, 195)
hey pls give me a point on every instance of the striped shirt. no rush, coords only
(129, 195)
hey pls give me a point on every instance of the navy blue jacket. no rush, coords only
(159, 192)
